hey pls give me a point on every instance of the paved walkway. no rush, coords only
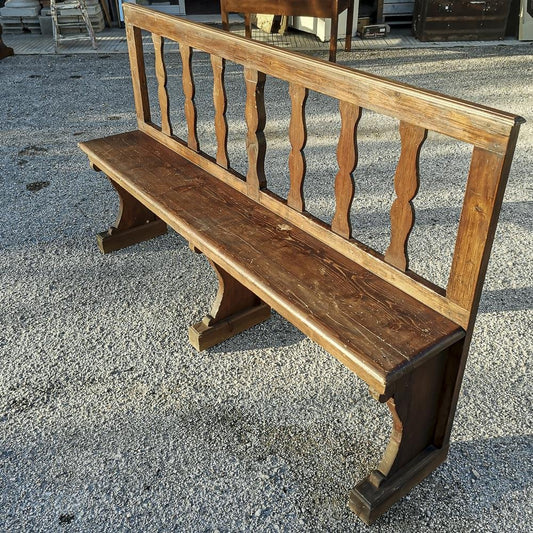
(112, 41)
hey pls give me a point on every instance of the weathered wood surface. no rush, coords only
(420, 408)
(188, 91)
(138, 74)
(347, 159)
(406, 183)
(298, 139)
(371, 326)
(235, 309)
(220, 102)
(161, 74)
(483, 199)
(255, 139)
(479, 125)
(135, 223)
(486, 128)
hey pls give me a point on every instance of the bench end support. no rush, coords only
(235, 309)
(204, 335)
(113, 240)
(422, 408)
(372, 496)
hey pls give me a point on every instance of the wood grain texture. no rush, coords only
(220, 102)
(406, 183)
(135, 223)
(371, 326)
(188, 91)
(420, 288)
(161, 75)
(138, 74)
(405, 337)
(481, 208)
(234, 309)
(203, 336)
(473, 123)
(298, 140)
(420, 407)
(347, 159)
(255, 139)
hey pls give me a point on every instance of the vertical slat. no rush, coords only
(255, 139)
(347, 159)
(483, 199)
(161, 74)
(220, 101)
(138, 73)
(188, 91)
(406, 181)
(298, 139)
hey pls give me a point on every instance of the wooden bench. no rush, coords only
(322, 8)
(407, 338)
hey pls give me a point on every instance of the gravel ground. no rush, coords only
(110, 421)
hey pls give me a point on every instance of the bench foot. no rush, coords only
(113, 239)
(235, 309)
(372, 496)
(203, 335)
(422, 407)
(135, 223)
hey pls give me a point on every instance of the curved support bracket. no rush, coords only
(135, 223)
(422, 408)
(235, 309)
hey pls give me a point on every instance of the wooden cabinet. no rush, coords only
(460, 20)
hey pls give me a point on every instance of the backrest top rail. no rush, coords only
(476, 124)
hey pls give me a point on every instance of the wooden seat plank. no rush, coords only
(373, 327)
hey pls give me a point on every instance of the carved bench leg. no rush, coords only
(235, 309)
(420, 436)
(135, 223)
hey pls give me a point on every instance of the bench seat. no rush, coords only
(374, 328)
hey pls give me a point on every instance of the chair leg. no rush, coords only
(235, 309)
(135, 223)
(247, 26)
(333, 38)
(225, 19)
(420, 437)
(349, 27)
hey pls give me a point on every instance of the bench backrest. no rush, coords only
(492, 133)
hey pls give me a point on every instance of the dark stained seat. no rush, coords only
(371, 326)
